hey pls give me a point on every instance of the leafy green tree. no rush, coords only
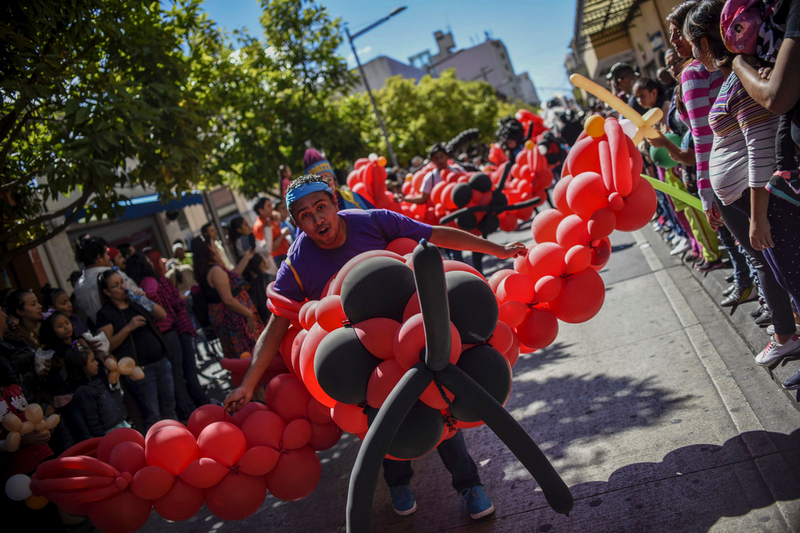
(98, 94)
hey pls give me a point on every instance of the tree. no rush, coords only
(97, 94)
(419, 114)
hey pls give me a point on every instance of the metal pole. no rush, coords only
(372, 99)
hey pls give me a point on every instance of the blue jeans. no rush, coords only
(455, 457)
(154, 395)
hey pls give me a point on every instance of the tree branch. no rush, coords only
(15, 230)
(13, 253)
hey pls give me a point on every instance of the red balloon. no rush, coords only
(350, 418)
(548, 288)
(297, 434)
(639, 208)
(286, 345)
(583, 157)
(544, 225)
(433, 398)
(501, 339)
(296, 475)
(572, 231)
(560, 195)
(517, 287)
(171, 448)
(291, 400)
(237, 496)
(508, 221)
(336, 286)
(412, 307)
(247, 410)
(512, 313)
(307, 353)
(546, 259)
(601, 253)
(377, 335)
(181, 502)
(259, 460)
(123, 513)
(318, 413)
(308, 314)
(521, 263)
(577, 259)
(206, 415)
(512, 355)
(410, 340)
(203, 473)
(152, 482)
(116, 436)
(497, 277)
(539, 329)
(620, 161)
(297, 347)
(403, 245)
(223, 442)
(329, 313)
(264, 428)
(383, 379)
(324, 436)
(272, 387)
(450, 266)
(580, 299)
(587, 193)
(128, 457)
(602, 223)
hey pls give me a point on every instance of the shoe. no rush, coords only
(774, 351)
(476, 502)
(680, 247)
(792, 382)
(713, 265)
(771, 329)
(403, 500)
(764, 320)
(729, 278)
(729, 290)
(700, 263)
(758, 311)
(738, 296)
(693, 257)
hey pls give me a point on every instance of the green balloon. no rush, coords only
(660, 156)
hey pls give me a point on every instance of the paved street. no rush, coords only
(653, 412)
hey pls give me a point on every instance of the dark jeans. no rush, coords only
(455, 458)
(784, 145)
(737, 218)
(741, 267)
(154, 395)
(190, 370)
(183, 402)
(477, 261)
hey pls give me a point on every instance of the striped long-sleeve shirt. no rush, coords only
(700, 88)
(743, 153)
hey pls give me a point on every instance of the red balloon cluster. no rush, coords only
(533, 123)
(369, 180)
(227, 463)
(601, 191)
(384, 339)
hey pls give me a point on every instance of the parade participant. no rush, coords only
(511, 135)
(316, 163)
(328, 239)
(438, 156)
(264, 243)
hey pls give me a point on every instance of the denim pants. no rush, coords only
(154, 395)
(737, 219)
(183, 402)
(190, 370)
(455, 457)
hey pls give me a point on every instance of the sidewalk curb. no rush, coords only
(764, 453)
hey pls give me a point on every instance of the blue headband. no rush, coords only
(304, 190)
(319, 167)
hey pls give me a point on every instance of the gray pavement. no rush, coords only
(653, 412)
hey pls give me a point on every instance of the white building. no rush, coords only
(382, 68)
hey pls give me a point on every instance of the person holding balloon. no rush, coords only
(328, 239)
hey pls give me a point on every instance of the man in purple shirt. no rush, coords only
(328, 239)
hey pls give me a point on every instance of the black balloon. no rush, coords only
(498, 198)
(467, 221)
(481, 182)
(489, 224)
(490, 370)
(461, 194)
(473, 306)
(343, 366)
(378, 287)
(419, 432)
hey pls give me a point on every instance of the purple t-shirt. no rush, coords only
(316, 266)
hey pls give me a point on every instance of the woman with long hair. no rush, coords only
(132, 332)
(231, 312)
(742, 162)
(240, 235)
(23, 305)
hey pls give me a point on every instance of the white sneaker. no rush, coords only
(775, 351)
(771, 329)
(681, 246)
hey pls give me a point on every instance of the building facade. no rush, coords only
(382, 68)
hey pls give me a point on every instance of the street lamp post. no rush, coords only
(351, 38)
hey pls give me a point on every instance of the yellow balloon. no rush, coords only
(41, 426)
(111, 364)
(27, 427)
(113, 377)
(12, 422)
(530, 145)
(36, 502)
(33, 413)
(137, 373)
(125, 366)
(13, 440)
(52, 421)
(594, 126)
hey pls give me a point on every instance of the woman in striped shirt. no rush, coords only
(742, 161)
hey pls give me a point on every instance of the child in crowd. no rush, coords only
(58, 298)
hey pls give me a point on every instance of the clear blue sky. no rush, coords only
(536, 32)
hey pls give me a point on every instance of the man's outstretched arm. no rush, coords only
(457, 239)
(265, 350)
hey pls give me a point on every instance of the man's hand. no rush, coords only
(237, 399)
(512, 249)
(36, 438)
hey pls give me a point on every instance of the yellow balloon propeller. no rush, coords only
(644, 124)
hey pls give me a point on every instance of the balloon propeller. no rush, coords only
(429, 277)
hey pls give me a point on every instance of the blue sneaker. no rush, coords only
(403, 500)
(477, 502)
